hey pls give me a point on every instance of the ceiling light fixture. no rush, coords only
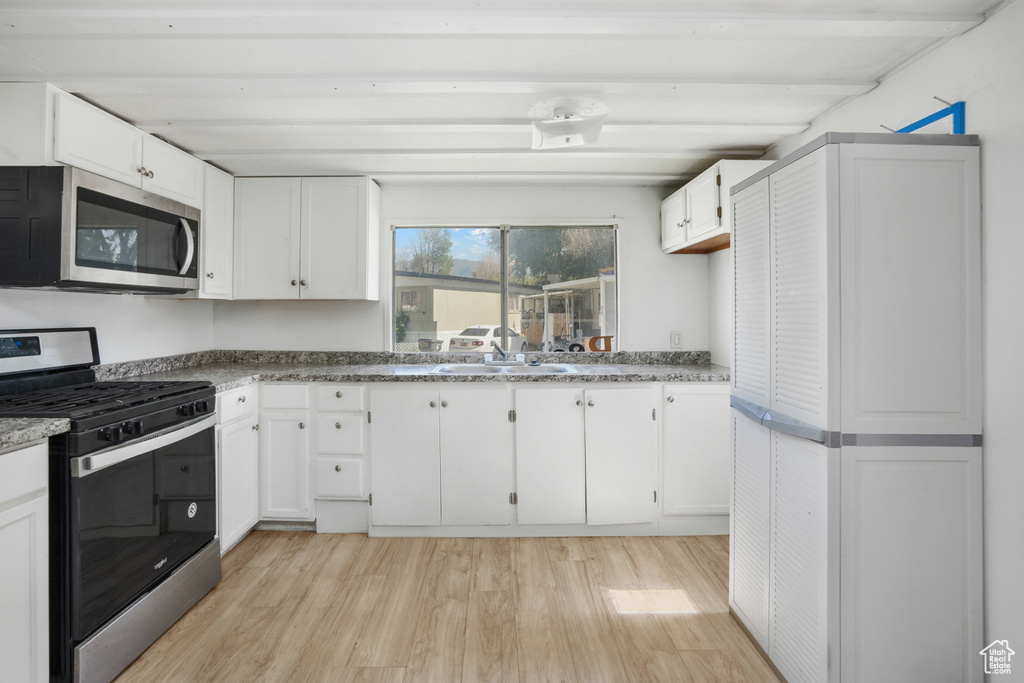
(566, 123)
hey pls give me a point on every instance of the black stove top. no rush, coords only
(94, 399)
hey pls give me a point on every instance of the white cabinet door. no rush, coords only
(695, 449)
(673, 213)
(238, 447)
(217, 235)
(750, 525)
(622, 445)
(752, 299)
(24, 618)
(24, 565)
(703, 208)
(91, 139)
(912, 564)
(803, 563)
(171, 173)
(476, 456)
(804, 275)
(335, 238)
(284, 465)
(551, 464)
(405, 459)
(266, 263)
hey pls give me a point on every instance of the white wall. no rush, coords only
(720, 303)
(984, 69)
(127, 327)
(658, 293)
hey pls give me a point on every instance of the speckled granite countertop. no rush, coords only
(18, 431)
(233, 369)
(232, 375)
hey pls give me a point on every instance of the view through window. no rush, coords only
(548, 288)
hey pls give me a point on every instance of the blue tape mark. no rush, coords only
(957, 110)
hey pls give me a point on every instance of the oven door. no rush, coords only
(138, 511)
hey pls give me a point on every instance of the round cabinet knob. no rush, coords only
(679, 225)
(578, 402)
(337, 394)
(209, 275)
(302, 425)
(337, 425)
(149, 174)
(303, 283)
(671, 399)
(433, 405)
(444, 404)
(590, 403)
(255, 428)
(337, 468)
(241, 399)
(294, 282)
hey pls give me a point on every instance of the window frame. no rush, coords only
(505, 228)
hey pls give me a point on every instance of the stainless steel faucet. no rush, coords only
(501, 352)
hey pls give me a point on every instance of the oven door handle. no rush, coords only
(85, 465)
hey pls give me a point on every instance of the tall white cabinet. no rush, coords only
(856, 511)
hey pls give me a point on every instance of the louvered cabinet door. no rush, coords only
(750, 240)
(804, 588)
(804, 289)
(749, 533)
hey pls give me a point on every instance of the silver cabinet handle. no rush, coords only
(303, 283)
(337, 425)
(337, 468)
(337, 394)
(144, 171)
(671, 399)
(241, 399)
(444, 404)
(209, 275)
(255, 428)
(590, 403)
(302, 425)
(679, 225)
(433, 405)
(294, 282)
(579, 402)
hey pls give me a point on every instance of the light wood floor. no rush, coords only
(298, 606)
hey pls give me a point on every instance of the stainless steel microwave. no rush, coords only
(65, 228)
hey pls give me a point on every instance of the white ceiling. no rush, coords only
(436, 90)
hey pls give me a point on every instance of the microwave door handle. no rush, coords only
(190, 251)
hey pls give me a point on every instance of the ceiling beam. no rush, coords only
(134, 20)
(477, 126)
(406, 84)
(571, 153)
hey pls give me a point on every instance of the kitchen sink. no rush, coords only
(482, 369)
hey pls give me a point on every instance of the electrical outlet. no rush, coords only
(675, 340)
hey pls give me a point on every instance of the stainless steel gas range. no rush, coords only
(132, 499)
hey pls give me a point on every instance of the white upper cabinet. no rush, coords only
(307, 238)
(89, 138)
(217, 233)
(697, 219)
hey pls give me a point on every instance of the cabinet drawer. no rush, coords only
(340, 433)
(340, 397)
(339, 477)
(22, 472)
(284, 396)
(237, 403)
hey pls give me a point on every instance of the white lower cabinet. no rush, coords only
(586, 455)
(238, 464)
(340, 471)
(441, 456)
(284, 452)
(24, 565)
(695, 446)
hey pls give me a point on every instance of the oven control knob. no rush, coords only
(112, 433)
(187, 410)
(202, 406)
(132, 428)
